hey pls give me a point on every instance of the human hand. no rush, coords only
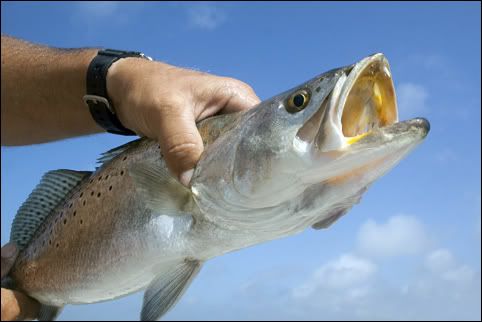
(15, 305)
(164, 102)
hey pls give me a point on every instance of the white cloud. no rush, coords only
(442, 264)
(206, 16)
(345, 272)
(412, 100)
(354, 288)
(92, 15)
(439, 261)
(400, 235)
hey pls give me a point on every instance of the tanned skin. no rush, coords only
(41, 98)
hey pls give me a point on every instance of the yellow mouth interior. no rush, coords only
(371, 102)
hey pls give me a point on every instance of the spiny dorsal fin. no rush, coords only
(52, 189)
(111, 154)
(167, 289)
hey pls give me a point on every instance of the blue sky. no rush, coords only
(409, 250)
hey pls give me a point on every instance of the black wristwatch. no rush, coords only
(100, 105)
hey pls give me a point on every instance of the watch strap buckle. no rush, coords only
(96, 99)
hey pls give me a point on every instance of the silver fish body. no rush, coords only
(300, 159)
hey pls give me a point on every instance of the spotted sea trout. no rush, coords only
(300, 159)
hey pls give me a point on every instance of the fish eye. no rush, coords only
(298, 101)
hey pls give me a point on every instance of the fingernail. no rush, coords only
(186, 177)
(9, 250)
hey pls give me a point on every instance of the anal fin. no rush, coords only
(164, 291)
(49, 312)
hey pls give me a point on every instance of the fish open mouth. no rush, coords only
(367, 99)
(362, 101)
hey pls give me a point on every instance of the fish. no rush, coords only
(300, 159)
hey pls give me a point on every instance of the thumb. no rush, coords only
(180, 142)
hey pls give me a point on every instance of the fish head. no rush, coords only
(333, 135)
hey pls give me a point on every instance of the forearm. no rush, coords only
(42, 91)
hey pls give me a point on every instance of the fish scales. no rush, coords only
(300, 159)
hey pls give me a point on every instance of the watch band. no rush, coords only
(100, 105)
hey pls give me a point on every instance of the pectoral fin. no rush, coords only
(160, 191)
(328, 221)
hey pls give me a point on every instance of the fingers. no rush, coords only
(240, 96)
(164, 102)
(9, 253)
(179, 137)
(17, 306)
(180, 141)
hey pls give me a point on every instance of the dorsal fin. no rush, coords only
(111, 154)
(52, 189)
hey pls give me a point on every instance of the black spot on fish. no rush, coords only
(50, 242)
(125, 158)
(81, 194)
(57, 245)
(75, 213)
(70, 206)
(65, 221)
(318, 89)
(122, 172)
(92, 180)
(83, 203)
(92, 193)
(106, 177)
(81, 221)
(110, 188)
(100, 178)
(38, 212)
(98, 195)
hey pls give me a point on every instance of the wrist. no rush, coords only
(97, 98)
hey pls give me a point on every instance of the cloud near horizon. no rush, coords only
(353, 286)
(400, 235)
